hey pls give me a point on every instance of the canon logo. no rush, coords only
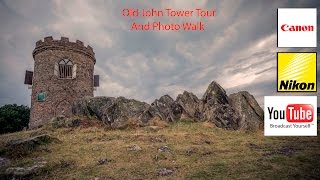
(286, 27)
(294, 113)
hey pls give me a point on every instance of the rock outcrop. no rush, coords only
(216, 107)
(166, 108)
(113, 111)
(215, 94)
(251, 114)
(237, 111)
(190, 104)
(93, 106)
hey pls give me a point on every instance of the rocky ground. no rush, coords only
(180, 150)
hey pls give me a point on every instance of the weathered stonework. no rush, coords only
(60, 93)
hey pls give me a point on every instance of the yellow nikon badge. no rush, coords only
(297, 72)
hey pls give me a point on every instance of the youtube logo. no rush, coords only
(290, 116)
(299, 113)
(297, 27)
(293, 113)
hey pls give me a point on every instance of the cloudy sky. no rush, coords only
(237, 49)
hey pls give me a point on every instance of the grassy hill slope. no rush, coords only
(186, 151)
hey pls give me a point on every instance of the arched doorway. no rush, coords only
(63, 108)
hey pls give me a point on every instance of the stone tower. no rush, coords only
(63, 72)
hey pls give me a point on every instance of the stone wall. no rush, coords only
(60, 93)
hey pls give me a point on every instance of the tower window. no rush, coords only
(65, 69)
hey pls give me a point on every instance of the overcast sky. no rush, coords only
(237, 49)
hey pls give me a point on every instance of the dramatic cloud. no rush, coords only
(237, 48)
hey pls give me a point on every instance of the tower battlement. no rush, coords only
(63, 44)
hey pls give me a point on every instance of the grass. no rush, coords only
(196, 151)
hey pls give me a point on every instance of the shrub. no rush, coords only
(13, 118)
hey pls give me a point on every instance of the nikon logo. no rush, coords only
(297, 72)
(294, 85)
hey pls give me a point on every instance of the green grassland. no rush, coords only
(192, 151)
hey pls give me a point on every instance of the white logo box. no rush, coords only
(297, 17)
(280, 103)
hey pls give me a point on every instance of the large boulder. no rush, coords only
(30, 143)
(58, 121)
(190, 104)
(251, 114)
(22, 147)
(64, 122)
(216, 107)
(92, 106)
(167, 109)
(215, 94)
(26, 172)
(124, 109)
(222, 115)
(4, 162)
(113, 111)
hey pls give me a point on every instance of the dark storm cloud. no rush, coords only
(237, 49)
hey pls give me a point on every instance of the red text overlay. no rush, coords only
(187, 16)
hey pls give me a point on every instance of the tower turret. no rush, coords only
(63, 72)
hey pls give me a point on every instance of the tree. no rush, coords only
(13, 118)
